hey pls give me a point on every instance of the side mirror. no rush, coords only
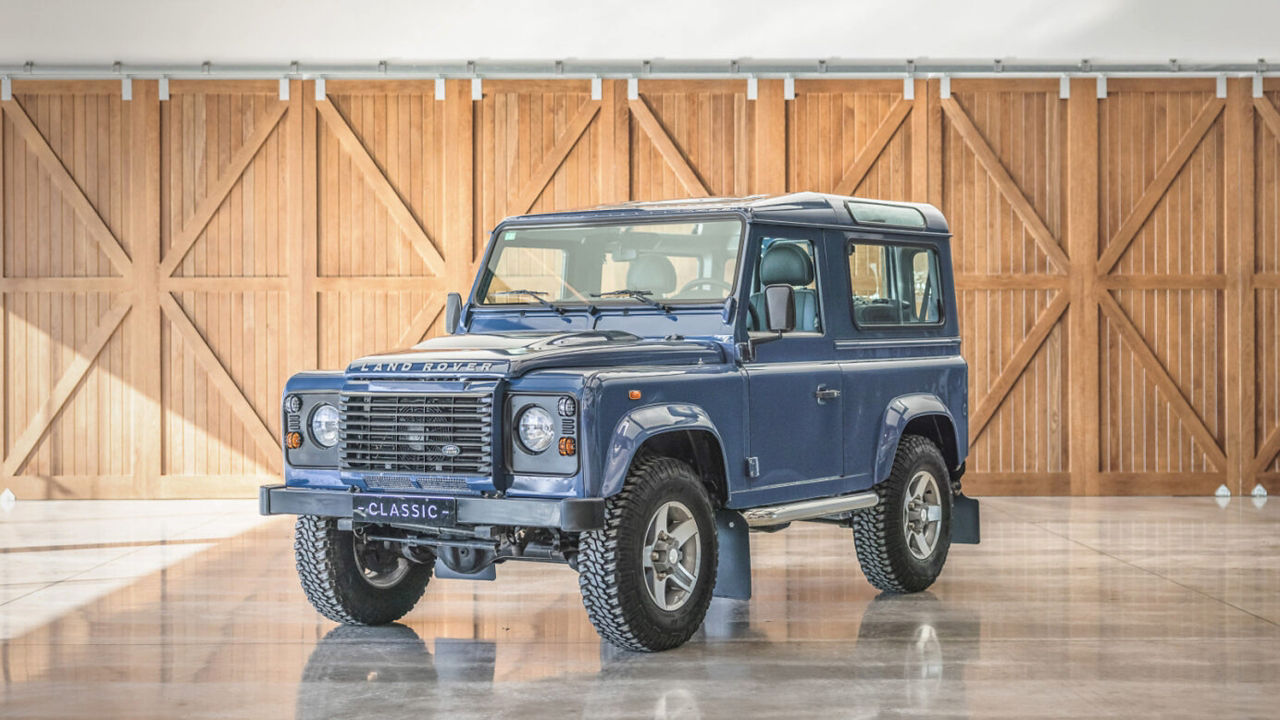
(780, 308)
(452, 312)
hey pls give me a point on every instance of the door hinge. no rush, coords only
(753, 467)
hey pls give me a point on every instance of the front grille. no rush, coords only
(409, 433)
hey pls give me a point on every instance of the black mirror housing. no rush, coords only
(780, 308)
(452, 312)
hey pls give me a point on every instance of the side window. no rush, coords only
(894, 285)
(787, 261)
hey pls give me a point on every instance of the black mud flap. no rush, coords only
(965, 523)
(733, 571)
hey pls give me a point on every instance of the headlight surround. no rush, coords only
(535, 429)
(324, 425)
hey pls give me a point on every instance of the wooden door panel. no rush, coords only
(379, 183)
(68, 403)
(1002, 190)
(1163, 351)
(362, 322)
(690, 139)
(847, 138)
(538, 149)
(225, 179)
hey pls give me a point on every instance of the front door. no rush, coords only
(795, 423)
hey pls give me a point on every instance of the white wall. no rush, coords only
(333, 31)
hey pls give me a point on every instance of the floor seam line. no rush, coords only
(1153, 573)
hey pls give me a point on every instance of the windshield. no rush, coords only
(653, 263)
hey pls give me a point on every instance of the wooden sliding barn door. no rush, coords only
(1163, 343)
(221, 289)
(1003, 162)
(73, 157)
(1255, 166)
(168, 262)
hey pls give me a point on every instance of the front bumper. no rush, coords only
(569, 515)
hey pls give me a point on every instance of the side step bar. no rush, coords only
(808, 509)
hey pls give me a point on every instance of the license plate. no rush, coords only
(433, 511)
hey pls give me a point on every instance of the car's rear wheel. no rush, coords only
(353, 581)
(902, 542)
(646, 578)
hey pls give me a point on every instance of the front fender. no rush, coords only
(312, 469)
(637, 426)
(901, 411)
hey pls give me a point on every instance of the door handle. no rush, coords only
(824, 393)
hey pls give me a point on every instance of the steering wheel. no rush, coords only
(710, 283)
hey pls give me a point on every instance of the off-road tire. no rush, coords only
(878, 532)
(610, 573)
(334, 583)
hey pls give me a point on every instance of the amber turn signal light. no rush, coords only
(568, 446)
(293, 440)
(633, 394)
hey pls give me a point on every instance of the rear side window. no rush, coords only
(894, 285)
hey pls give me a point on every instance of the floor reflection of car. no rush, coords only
(367, 671)
(909, 656)
(922, 643)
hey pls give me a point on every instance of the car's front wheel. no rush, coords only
(353, 581)
(902, 542)
(646, 578)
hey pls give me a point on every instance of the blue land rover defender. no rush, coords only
(631, 390)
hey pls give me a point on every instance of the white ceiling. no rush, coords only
(334, 31)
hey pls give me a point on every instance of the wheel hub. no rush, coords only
(922, 514)
(671, 556)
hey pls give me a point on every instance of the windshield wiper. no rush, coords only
(641, 295)
(536, 295)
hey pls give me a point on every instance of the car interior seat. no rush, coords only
(787, 264)
(654, 273)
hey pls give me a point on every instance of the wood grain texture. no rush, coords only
(1165, 361)
(1262, 337)
(699, 139)
(60, 177)
(1002, 186)
(1082, 243)
(166, 265)
(673, 155)
(848, 138)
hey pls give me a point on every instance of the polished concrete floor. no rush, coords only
(1070, 608)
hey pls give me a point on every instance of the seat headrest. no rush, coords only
(786, 264)
(654, 273)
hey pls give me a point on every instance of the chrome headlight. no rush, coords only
(324, 425)
(535, 429)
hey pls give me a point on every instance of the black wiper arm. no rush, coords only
(641, 295)
(535, 294)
